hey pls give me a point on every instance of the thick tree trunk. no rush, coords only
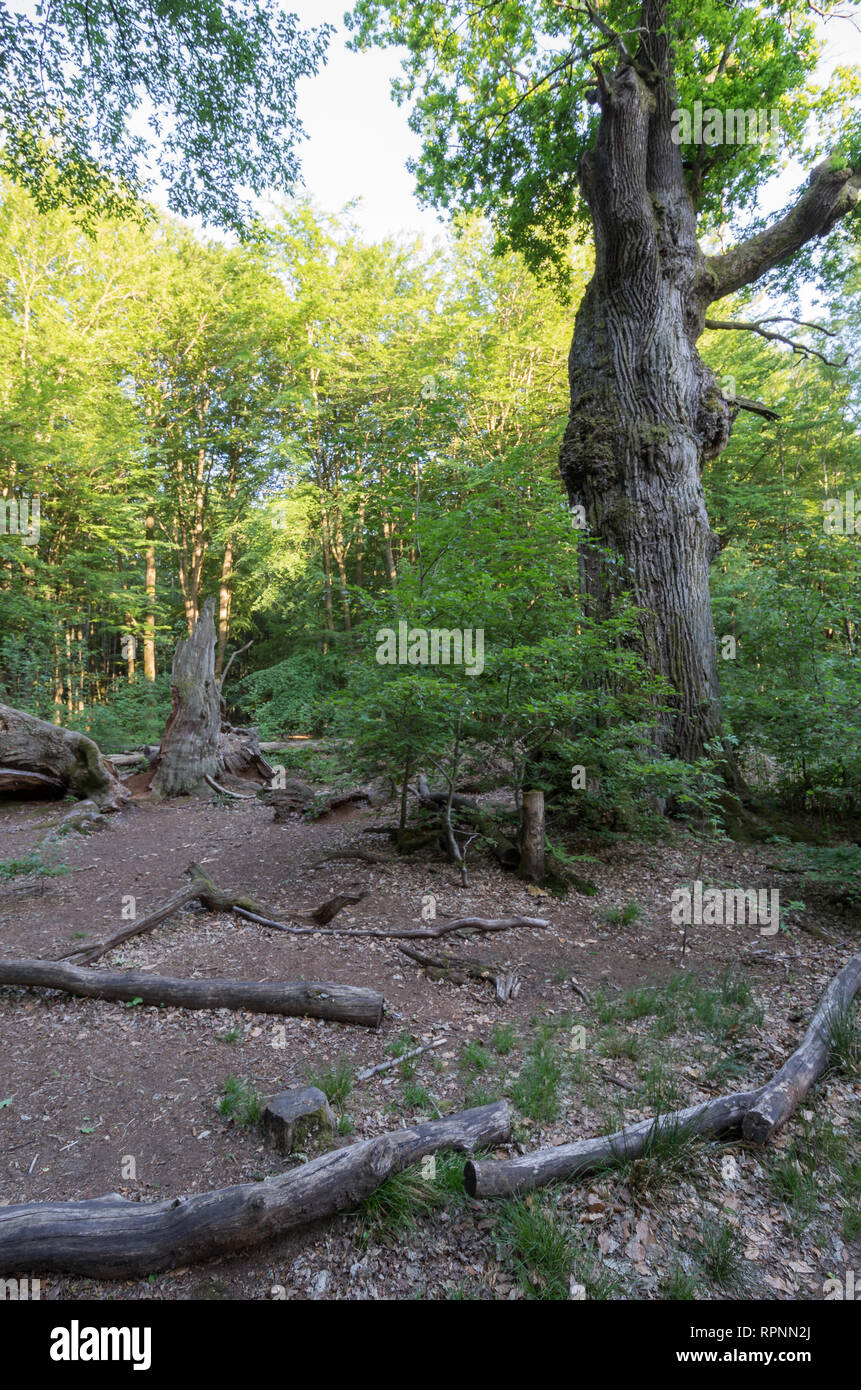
(189, 745)
(62, 760)
(645, 410)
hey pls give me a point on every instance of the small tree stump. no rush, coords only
(289, 1117)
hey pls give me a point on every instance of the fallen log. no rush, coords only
(60, 760)
(752, 1115)
(15, 779)
(112, 1238)
(504, 1176)
(299, 999)
(780, 1096)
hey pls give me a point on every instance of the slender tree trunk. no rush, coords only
(149, 583)
(225, 595)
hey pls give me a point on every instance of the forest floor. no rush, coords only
(87, 1084)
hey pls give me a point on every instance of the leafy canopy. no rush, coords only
(500, 95)
(99, 101)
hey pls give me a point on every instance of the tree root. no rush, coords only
(204, 891)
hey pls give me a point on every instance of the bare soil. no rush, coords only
(92, 1084)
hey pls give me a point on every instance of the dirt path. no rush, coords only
(100, 1092)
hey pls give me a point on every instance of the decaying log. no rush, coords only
(204, 891)
(112, 1238)
(752, 1115)
(239, 754)
(780, 1096)
(444, 965)
(299, 999)
(501, 1177)
(14, 779)
(60, 760)
(293, 797)
(225, 791)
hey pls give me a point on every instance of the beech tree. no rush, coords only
(97, 101)
(556, 118)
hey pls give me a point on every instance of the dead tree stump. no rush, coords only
(189, 746)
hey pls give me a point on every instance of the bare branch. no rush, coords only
(756, 327)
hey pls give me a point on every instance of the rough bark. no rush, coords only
(645, 410)
(752, 1115)
(189, 745)
(112, 1238)
(299, 999)
(69, 761)
(532, 865)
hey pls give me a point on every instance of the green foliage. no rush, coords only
(34, 862)
(497, 97)
(336, 1079)
(240, 1101)
(211, 82)
(294, 696)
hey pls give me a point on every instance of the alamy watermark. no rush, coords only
(726, 907)
(710, 126)
(19, 516)
(843, 515)
(420, 646)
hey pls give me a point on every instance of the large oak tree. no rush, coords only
(552, 117)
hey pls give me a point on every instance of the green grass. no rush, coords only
(335, 1080)
(395, 1207)
(231, 1036)
(503, 1038)
(678, 1286)
(536, 1090)
(240, 1101)
(720, 1250)
(544, 1254)
(667, 1158)
(627, 1045)
(622, 916)
(539, 1250)
(845, 1042)
(475, 1058)
(32, 863)
(417, 1097)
